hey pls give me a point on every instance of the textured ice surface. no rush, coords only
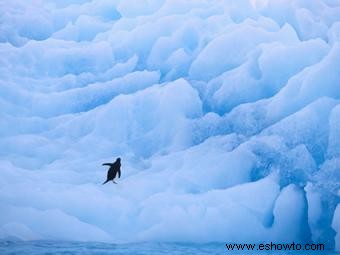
(225, 114)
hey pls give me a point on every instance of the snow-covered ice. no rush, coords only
(225, 114)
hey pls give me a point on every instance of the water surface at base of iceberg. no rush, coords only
(76, 248)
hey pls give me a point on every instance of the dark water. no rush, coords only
(53, 247)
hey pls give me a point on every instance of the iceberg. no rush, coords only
(225, 114)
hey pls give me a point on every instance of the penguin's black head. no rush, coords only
(118, 160)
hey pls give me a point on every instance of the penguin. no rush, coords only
(113, 170)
